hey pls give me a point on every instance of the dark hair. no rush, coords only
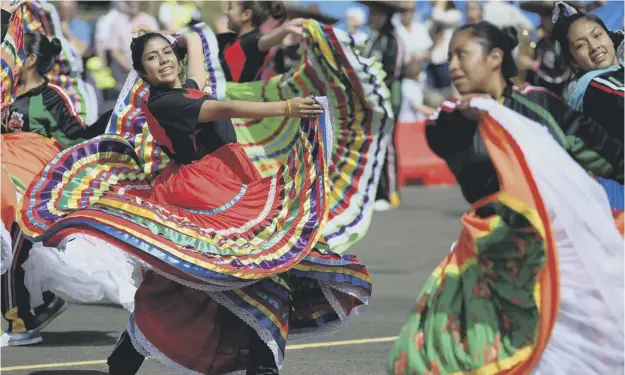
(563, 23)
(261, 10)
(490, 36)
(45, 50)
(137, 46)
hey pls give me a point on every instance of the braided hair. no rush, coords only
(489, 37)
(46, 51)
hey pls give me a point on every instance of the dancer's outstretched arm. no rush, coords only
(213, 110)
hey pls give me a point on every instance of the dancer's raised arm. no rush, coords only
(196, 60)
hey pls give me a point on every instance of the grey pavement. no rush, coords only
(401, 248)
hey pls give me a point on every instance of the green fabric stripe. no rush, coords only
(465, 321)
(544, 113)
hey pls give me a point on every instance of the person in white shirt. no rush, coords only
(413, 34)
(503, 14)
(412, 107)
(475, 13)
(120, 34)
(443, 21)
(355, 20)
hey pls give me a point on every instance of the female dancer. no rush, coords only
(595, 55)
(491, 305)
(39, 124)
(586, 140)
(591, 50)
(218, 238)
(243, 53)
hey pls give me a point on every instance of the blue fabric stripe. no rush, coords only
(615, 193)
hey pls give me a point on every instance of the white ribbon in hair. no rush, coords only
(567, 10)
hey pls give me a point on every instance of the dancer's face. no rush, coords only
(377, 18)
(237, 16)
(470, 67)
(160, 63)
(591, 46)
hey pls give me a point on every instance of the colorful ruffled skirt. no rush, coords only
(102, 273)
(536, 286)
(358, 107)
(229, 254)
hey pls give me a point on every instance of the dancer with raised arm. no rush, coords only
(235, 260)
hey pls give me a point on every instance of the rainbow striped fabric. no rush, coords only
(42, 17)
(12, 58)
(359, 108)
(97, 188)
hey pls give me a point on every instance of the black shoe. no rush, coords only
(47, 314)
(262, 370)
(125, 359)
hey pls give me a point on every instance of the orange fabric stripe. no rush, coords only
(511, 167)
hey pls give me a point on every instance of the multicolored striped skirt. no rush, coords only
(358, 107)
(230, 253)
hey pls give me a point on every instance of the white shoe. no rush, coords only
(382, 205)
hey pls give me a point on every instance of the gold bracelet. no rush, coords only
(288, 108)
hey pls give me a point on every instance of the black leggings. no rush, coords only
(16, 307)
(126, 360)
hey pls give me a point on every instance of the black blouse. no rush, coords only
(240, 57)
(604, 102)
(458, 141)
(173, 121)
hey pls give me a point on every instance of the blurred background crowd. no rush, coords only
(102, 30)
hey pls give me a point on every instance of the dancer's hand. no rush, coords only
(10, 6)
(462, 106)
(295, 26)
(303, 107)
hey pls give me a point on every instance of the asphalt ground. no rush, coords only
(401, 248)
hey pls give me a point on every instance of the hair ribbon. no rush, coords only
(562, 8)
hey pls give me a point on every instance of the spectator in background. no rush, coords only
(355, 20)
(78, 32)
(413, 34)
(385, 46)
(445, 18)
(120, 34)
(503, 14)
(474, 11)
(174, 15)
(412, 107)
(102, 28)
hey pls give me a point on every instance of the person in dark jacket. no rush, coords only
(386, 46)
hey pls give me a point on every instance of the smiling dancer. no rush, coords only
(595, 55)
(236, 265)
